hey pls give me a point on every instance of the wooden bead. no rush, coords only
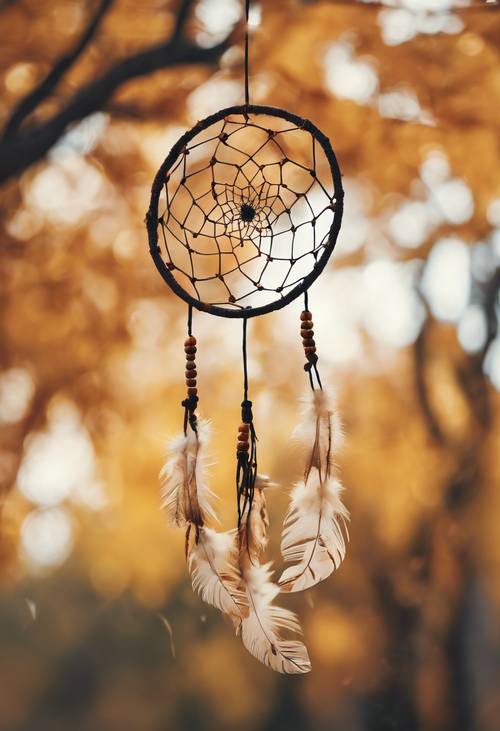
(190, 366)
(190, 340)
(243, 437)
(307, 325)
(191, 382)
(190, 357)
(306, 315)
(244, 427)
(310, 350)
(190, 349)
(307, 334)
(243, 446)
(191, 374)
(308, 342)
(192, 391)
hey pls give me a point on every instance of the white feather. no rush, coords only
(314, 535)
(255, 528)
(320, 406)
(204, 494)
(261, 630)
(212, 563)
(185, 495)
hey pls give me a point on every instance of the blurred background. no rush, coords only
(99, 628)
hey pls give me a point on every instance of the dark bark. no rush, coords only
(35, 97)
(18, 152)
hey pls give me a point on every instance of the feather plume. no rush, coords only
(254, 534)
(213, 565)
(185, 495)
(314, 535)
(261, 630)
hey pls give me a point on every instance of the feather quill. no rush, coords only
(261, 630)
(314, 535)
(185, 495)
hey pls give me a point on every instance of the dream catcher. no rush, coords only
(244, 215)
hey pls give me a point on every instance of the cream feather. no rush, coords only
(320, 427)
(261, 630)
(254, 533)
(213, 565)
(185, 495)
(314, 535)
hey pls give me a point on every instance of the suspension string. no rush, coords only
(190, 320)
(307, 333)
(245, 366)
(247, 14)
(246, 450)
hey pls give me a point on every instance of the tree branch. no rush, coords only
(182, 17)
(35, 97)
(32, 143)
(420, 359)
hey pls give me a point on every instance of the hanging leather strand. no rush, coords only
(246, 449)
(191, 402)
(307, 333)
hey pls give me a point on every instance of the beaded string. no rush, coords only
(309, 344)
(191, 402)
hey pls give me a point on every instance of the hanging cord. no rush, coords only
(191, 402)
(307, 332)
(247, 14)
(246, 450)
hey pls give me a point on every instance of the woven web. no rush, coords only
(247, 211)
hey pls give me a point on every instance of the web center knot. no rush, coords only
(247, 212)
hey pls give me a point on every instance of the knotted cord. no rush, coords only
(311, 366)
(190, 403)
(246, 454)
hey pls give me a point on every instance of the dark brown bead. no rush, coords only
(192, 391)
(243, 446)
(243, 437)
(307, 325)
(190, 366)
(190, 357)
(190, 340)
(190, 349)
(191, 374)
(191, 382)
(307, 334)
(244, 427)
(308, 342)
(310, 350)
(305, 315)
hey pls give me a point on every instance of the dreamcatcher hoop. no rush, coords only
(153, 218)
